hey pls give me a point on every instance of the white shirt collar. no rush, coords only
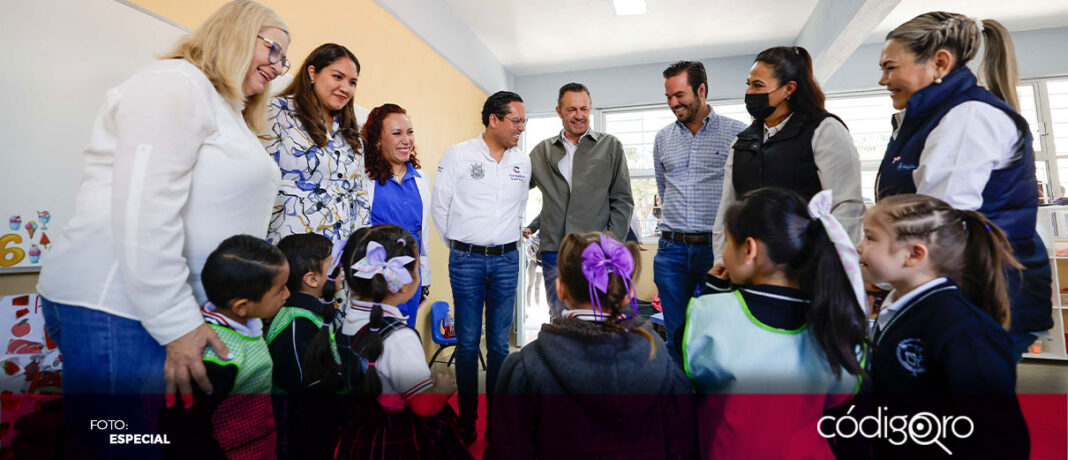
(563, 137)
(773, 130)
(587, 314)
(899, 117)
(892, 304)
(359, 313)
(253, 327)
(365, 307)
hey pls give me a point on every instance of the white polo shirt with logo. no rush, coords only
(478, 200)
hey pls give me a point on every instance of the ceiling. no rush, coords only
(544, 36)
(1014, 15)
(531, 37)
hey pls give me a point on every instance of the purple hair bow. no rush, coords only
(392, 270)
(600, 259)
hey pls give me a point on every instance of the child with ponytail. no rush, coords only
(596, 382)
(941, 345)
(782, 340)
(399, 411)
(306, 371)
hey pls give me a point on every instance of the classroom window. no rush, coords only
(636, 130)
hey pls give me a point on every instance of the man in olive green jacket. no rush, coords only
(584, 183)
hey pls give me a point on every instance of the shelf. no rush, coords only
(1046, 355)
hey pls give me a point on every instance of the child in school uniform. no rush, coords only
(398, 409)
(245, 281)
(306, 387)
(781, 342)
(597, 383)
(941, 346)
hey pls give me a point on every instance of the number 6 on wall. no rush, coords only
(13, 255)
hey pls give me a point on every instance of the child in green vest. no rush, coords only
(245, 281)
(305, 385)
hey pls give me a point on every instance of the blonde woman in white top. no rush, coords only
(172, 168)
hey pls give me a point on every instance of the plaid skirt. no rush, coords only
(375, 433)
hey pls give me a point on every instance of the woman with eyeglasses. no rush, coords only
(315, 140)
(173, 167)
(793, 142)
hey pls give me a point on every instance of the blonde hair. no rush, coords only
(963, 246)
(927, 33)
(223, 46)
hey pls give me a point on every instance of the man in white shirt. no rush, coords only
(584, 182)
(479, 197)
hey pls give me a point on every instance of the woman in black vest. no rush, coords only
(793, 143)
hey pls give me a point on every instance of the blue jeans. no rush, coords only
(479, 280)
(411, 307)
(112, 370)
(548, 269)
(678, 270)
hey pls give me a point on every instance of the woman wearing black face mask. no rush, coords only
(793, 141)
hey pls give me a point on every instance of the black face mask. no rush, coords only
(759, 105)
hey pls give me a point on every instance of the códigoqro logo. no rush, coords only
(923, 428)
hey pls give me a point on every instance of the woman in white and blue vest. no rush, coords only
(793, 142)
(966, 144)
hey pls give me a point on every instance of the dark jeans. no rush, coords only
(548, 268)
(678, 270)
(479, 280)
(112, 370)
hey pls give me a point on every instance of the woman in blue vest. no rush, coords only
(966, 144)
(793, 142)
(398, 192)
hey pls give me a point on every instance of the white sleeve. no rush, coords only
(972, 140)
(404, 364)
(424, 248)
(160, 123)
(444, 188)
(719, 239)
(838, 167)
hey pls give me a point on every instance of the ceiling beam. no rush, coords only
(836, 28)
(434, 22)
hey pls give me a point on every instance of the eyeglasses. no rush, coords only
(517, 121)
(276, 53)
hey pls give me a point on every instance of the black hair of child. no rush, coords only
(376, 289)
(306, 252)
(241, 267)
(800, 246)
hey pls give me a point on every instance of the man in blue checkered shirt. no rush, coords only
(688, 157)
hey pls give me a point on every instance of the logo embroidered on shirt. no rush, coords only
(910, 355)
(477, 172)
(515, 169)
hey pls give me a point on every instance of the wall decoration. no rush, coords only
(25, 247)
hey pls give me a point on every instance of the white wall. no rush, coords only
(59, 57)
(1040, 53)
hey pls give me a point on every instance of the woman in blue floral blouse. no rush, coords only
(315, 140)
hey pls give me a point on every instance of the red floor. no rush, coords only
(1046, 415)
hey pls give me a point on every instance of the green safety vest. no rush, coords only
(250, 355)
